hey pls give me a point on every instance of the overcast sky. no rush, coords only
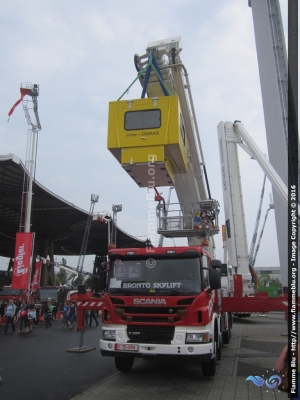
(81, 54)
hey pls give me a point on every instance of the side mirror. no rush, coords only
(102, 266)
(81, 289)
(102, 280)
(224, 270)
(216, 263)
(214, 279)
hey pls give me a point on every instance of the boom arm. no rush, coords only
(248, 144)
(256, 224)
(192, 186)
(68, 268)
(230, 135)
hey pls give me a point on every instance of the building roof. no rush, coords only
(53, 218)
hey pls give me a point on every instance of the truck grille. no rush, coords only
(150, 314)
(150, 334)
(151, 319)
(151, 310)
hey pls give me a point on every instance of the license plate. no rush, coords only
(126, 347)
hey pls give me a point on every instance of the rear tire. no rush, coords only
(242, 315)
(209, 368)
(124, 364)
(219, 348)
(227, 335)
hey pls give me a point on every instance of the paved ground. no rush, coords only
(36, 366)
(255, 345)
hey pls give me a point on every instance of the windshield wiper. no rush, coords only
(127, 292)
(172, 291)
(181, 291)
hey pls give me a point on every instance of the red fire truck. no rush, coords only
(163, 302)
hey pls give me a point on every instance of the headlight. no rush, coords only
(109, 335)
(196, 337)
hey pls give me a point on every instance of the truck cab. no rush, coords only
(162, 303)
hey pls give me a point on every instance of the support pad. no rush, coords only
(83, 349)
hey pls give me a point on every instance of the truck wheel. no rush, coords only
(227, 335)
(209, 368)
(124, 364)
(219, 348)
(242, 315)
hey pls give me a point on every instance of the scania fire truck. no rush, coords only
(165, 301)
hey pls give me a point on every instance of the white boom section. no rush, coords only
(252, 247)
(190, 187)
(73, 270)
(230, 135)
(233, 204)
(261, 234)
(248, 144)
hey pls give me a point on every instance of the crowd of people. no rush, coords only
(27, 315)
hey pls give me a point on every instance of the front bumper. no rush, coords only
(177, 347)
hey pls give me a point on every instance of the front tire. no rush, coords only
(219, 345)
(227, 335)
(124, 364)
(209, 368)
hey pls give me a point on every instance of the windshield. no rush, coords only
(8, 291)
(48, 294)
(155, 276)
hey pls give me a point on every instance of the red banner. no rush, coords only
(224, 233)
(24, 92)
(22, 260)
(36, 276)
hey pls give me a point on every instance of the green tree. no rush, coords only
(275, 282)
(57, 281)
(61, 275)
(88, 281)
(263, 279)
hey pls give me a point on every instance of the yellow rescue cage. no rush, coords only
(147, 137)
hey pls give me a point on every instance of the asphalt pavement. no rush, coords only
(37, 366)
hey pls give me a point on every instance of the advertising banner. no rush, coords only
(22, 260)
(36, 276)
(224, 233)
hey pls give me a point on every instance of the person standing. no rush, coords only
(23, 315)
(10, 315)
(31, 315)
(93, 316)
(66, 312)
(38, 307)
(48, 314)
(86, 317)
(72, 313)
(55, 309)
